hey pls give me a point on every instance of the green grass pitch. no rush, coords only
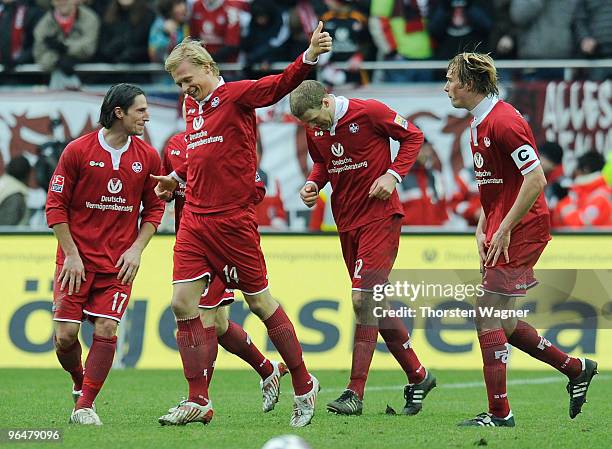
(132, 400)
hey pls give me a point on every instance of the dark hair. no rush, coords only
(165, 7)
(551, 151)
(19, 167)
(591, 162)
(120, 95)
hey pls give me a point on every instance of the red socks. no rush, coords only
(526, 339)
(238, 342)
(363, 349)
(70, 359)
(396, 336)
(282, 334)
(494, 348)
(196, 346)
(98, 364)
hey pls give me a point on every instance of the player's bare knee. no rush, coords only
(221, 321)
(103, 327)
(65, 339)
(261, 304)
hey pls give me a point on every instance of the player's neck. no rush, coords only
(114, 137)
(475, 101)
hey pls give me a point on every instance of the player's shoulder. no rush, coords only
(144, 147)
(177, 140)
(81, 144)
(505, 114)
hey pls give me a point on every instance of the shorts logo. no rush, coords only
(114, 185)
(137, 167)
(337, 149)
(215, 102)
(487, 142)
(96, 164)
(478, 160)
(401, 121)
(318, 133)
(198, 122)
(57, 183)
(354, 128)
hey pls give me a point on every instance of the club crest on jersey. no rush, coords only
(318, 133)
(57, 184)
(478, 160)
(401, 121)
(137, 167)
(354, 128)
(337, 149)
(96, 164)
(487, 142)
(215, 102)
(114, 185)
(198, 122)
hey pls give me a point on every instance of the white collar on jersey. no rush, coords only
(342, 104)
(482, 109)
(114, 152)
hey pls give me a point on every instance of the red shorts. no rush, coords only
(101, 295)
(515, 277)
(370, 251)
(220, 245)
(216, 295)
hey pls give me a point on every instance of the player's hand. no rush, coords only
(309, 194)
(129, 263)
(499, 244)
(481, 239)
(73, 272)
(166, 185)
(383, 187)
(320, 42)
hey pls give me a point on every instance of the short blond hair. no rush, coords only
(195, 52)
(308, 95)
(477, 70)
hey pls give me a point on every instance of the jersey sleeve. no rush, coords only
(64, 179)
(152, 207)
(318, 174)
(260, 188)
(516, 140)
(389, 123)
(272, 88)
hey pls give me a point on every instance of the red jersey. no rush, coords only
(217, 26)
(98, 191)
(222, 137)
(504, 151)
(175, 155)
(355, 152)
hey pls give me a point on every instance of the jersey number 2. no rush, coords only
(358, 267)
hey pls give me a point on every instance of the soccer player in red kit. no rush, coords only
(348, 140)
(511, 234)
(230, 335)
(93, 206)
(218, 234)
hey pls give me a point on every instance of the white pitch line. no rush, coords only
(479, 384)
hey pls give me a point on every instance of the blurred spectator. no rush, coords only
(65, 36)
(459, 25)
(14, 192)
(588, 202)
(17, 21)
(543, 32)
(593, 28)
(352, 44)
(303, 19)
(551, 157)
(125, 32)
(168, 29)
(217, 24)
(465, 202)
(421, 192)
(502, 39)
(398, 30)
(267, 35)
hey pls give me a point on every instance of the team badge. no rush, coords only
(215, 102)
(487, 142)
(137, 167)
(353, 128)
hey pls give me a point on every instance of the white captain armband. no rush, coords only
(525, 158)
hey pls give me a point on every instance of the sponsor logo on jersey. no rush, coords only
(137, 167)
(198, 122)
(114, 185)
(215, 102)
(191, 111)
(487, 142)
(354, 128)
(337, 149)
(57, 183)
(318, 133)
(401, 121)
(478, 160)
(96, 164)
(175, 152)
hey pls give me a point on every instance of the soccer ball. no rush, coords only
(286, 442)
